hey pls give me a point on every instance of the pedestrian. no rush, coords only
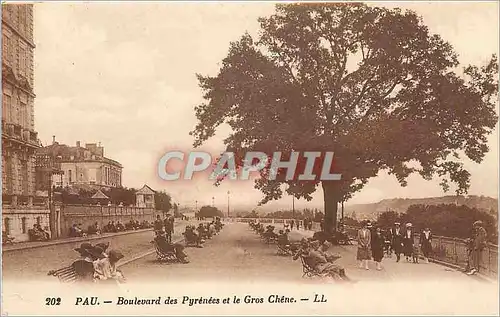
(298, 224)
(292, 223)
(377, 247)
(426, 243)
(408, 241)
(478, 245)
(364, 243)
(397, 241)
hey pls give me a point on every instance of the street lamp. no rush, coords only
(228, 203)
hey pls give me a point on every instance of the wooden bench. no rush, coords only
(164, 256)
(284, 250)
(309, 271)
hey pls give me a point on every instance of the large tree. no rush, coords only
(371, 84)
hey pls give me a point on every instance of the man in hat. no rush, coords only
(478, 244)
(325, 250)
(397, 240)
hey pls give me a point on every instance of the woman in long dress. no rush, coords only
(378, 244)
(364, 243)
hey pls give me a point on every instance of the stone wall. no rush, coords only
(17, 221)
(67, 215)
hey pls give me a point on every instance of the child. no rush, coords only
(415, 253)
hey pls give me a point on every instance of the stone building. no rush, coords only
(79, 165)
(19, 139)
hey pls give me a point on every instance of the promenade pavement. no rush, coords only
(239, 253)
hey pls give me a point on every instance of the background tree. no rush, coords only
(209, 212)
(371, 84)
(388, 218)
(163, 202)
(447, 220)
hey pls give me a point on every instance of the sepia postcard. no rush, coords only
(250, 158)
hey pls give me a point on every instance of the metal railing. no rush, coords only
(454, 251)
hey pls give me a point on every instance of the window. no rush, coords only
(69, 176)
(23, 224)
(7, 226)
(7, 48)
(6, 107)
(38, 220)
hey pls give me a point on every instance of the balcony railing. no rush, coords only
(18, 133)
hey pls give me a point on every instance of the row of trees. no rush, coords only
(444, 220)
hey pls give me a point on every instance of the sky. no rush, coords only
(124, 74)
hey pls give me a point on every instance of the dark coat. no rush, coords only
(408, 241)
(426, 243)
(397, 240)
(377, 245)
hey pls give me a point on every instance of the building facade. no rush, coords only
(79, 165)
(145, 197)
(19, 139)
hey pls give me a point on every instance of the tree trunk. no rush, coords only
(331, 202)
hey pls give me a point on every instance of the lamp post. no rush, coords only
(228, 203)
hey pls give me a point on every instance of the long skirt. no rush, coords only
(408, 247)
(378, 254)
(363, 253)
(426, 248)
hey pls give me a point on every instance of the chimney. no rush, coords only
(53, 139)
(77, 143)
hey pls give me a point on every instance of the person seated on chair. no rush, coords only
(192, 237)
(211, 229)
(167, 247)
(330, 257)
(94, 229)
(119, 226)
(316, 260)
(283, 239)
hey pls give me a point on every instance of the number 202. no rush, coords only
(51, 301)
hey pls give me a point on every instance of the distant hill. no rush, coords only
(371, 211)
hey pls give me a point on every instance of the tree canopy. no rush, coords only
(163, 202)
(371, 84)
(209, 212)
